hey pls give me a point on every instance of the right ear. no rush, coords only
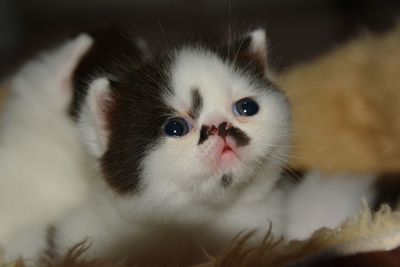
(93, 119)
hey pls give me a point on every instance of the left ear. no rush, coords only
(70, 57)
(251, 50)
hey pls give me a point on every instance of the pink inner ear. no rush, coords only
(75, 50)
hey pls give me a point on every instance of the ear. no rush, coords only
(93, 119)
(252, 50)
(257, 46)
(71, 55)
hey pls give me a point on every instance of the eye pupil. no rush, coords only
(246, 107)
(176, 127)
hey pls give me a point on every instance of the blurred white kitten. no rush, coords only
(42, 164)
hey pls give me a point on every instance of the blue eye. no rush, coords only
(176, 127)
(245, 107)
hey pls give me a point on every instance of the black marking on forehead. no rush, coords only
(240, 137)
(136, 116)
(197, 104)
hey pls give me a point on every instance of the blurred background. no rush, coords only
(298, 29)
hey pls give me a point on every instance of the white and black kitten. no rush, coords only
(188, 148)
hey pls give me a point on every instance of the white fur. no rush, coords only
(92, 122)
(325, 201)
(181, 185)
(259, 43)
(41, 160)
(180, 196)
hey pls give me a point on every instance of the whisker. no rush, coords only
(280, 159)
(164, 35)
(229, 27)
(237, 52)
(296, 179)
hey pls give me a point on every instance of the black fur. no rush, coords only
(197, 104)
(240, 137)
(134, 112)
(112, 52)
(203, 134)
(136, 116)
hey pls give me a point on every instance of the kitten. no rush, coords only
(42, 162)
(189, 148)
(186, 142)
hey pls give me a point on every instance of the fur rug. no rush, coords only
(366, 240)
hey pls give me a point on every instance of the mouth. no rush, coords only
(226, 149)
(228, 157)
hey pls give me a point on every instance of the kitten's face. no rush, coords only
(224, 147)
(202, 126)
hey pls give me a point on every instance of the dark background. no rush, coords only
(298, 29)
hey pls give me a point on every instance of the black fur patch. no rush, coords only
(203, 134)
(240, 137)
(222, 129)
(197, 104)
(111, 53)
(134, 113)
(135, 117)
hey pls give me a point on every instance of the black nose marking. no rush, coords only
(203, 134)
(240, 137)
(224, 129)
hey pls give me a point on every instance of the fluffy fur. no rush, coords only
(175, 195)
(345, 106)
(368, 239)
(177, 182)
(43, 166)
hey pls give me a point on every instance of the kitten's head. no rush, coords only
(199, 123)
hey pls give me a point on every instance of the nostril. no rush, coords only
(222, 131)
(213, 130)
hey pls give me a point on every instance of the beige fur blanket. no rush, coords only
(346, 106)
(369, 236)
